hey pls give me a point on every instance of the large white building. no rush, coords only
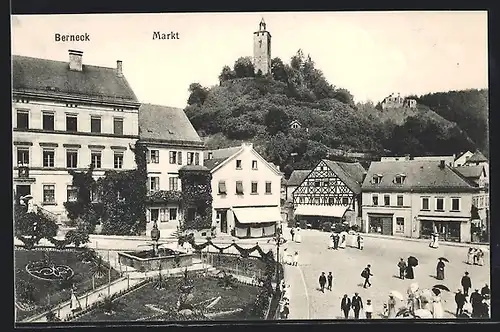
(66, 116)
(172, 143)
(246, 193)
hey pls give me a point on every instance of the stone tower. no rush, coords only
(262, 49)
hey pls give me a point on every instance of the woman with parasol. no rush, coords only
(391, 305)
(440, 268)
(412, 262)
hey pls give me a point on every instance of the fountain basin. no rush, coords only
(145, 260)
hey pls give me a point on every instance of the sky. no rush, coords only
(372, 54)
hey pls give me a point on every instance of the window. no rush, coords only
(331, 201)
(375, 200)
(326, 183)
(48, 121)
(425, 203)
(400, 225)
(71, 122)
(400, 200)
(190, 158)
(439, 204)
(118, 126)
(455, 204)
(172, 213)
(179, 158)
(23, 156)
(154, 183)
(154, 156)
(172, 157)
(95, 124)
(49, 194)
(345, 201)
(48, 158)
(163, 215)
(317, 183)
(376, 179)
(173, 183)
(118, 160)
(222, 188)
(72, 194)
(155, 214)
(95, 159)
(387, 200)
(399, 179)
(94, 195)
(301, 200)
(268, 187)
(254, 164)
(239, 188)
(316, 200)
(254, 187)
(238, 164)
(210, 155)
(71, 159)
(22, 119)
(197, 158)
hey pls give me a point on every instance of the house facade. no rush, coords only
(67, 116)
(246, 194)
(172, 142)
(296, 178)
(331, 192)
(462, 158)
(396, 101)
(415, 198)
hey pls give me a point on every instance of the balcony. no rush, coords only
(164, 196)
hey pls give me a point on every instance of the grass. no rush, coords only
(137, 304)
(48, 294)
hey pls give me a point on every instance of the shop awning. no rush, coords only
(250, 215)
(337, 211)
(444, 219)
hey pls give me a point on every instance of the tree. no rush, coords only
(243, 67)
(278, 70)
(276, 120)
(30, 228)
(344, 96)
(287, 171)
(198, 94)
(227, 74)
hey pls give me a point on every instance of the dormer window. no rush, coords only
(399, 179)
(377, 178)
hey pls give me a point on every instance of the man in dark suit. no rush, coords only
(345, 306)
(466, 283)
(330, 281)
(356, 304)
(460, 300)
(366, 274)
(477, 303)
(322, 281)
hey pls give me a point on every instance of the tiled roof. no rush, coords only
(166, 124)
(477, 157)
(212, 163)
(193, 168)
(297, 177)
(50, 77)
(222, 153)
(473, 172)
(420, 175)
(350, 173)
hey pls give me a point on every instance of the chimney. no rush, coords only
(75, 60)
(441, 164)
(119, 67)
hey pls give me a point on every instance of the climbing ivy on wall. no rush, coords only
(196, 195)
(121, 198)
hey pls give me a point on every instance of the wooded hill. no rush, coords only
(251, 107)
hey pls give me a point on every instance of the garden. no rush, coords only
(44, 277)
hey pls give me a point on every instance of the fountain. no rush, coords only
(156, 258)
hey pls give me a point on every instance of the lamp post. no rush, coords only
(277, 239)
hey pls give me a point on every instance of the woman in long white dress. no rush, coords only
(437, 307)
(331, 243)
(343, 240)
(298, 236)
(296, 258)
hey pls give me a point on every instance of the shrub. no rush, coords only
(302, 224)
(326, 226)
(77, 237)
(30, 228)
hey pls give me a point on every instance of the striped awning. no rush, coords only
(337, 211)
(252, 215)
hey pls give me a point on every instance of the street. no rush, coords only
(308, 302)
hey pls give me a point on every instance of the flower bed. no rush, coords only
(50, 293)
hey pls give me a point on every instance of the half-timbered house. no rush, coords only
(330, 193)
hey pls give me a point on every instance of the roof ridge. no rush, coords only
(60, 61)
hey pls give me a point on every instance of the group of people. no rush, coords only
(284, 304)
(325, 281)
(356, 304)
(406, 268)
(340, 241)
(296, 235)
(475, 256)
(289, 258)
(477, 306)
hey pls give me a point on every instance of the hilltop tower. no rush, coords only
(262, 49)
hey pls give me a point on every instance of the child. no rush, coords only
(368, 309)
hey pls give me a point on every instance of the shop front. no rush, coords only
(448, 230)
(380, 223)
(316, 215)
(256, 222)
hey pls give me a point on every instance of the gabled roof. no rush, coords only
(477, 157)
(166, 124)
(349, 173)
(473, 172)
(421, 175)
(462, 154)
(54, 78)
(297, 177)
(212, 163)
(221, 153)
(241, 150)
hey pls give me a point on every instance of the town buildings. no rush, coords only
(66, 116)
(331, 192)
(172, 143)
(296, 178)
(417, 197)
(262, 50)
(246, 194)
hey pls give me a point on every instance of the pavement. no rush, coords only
(383, 255)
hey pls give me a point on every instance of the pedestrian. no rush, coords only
(292, 233)
(356, 304)
(470, 256)
(480, 257)
(466, 283)
(345, 306)
(485, 291)
(361, 242)
(409, 270)
(331, 243)
(474, 256)
(437, 306)
(369, 309)
(391, 307)
(440, 270)
(296, 259)
(298, 236)
(329, 278)
(476, 300)
(460, 300)
(286, 311)
(402, 268)
(358, 238)
(366, 274)
(322, 281)
(335, 241)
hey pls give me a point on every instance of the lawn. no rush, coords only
(147, 302)
(52, 292)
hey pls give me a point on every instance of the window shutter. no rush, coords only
(148, 156)
(197, 158)
(179, 158)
